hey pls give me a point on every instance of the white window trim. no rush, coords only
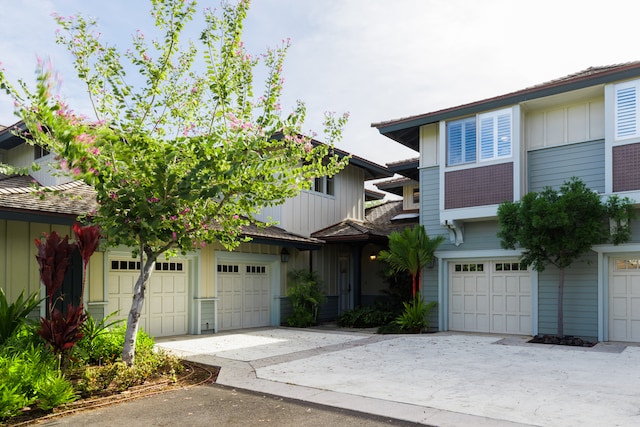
(488, 211)
(633, 84)
(493, 115)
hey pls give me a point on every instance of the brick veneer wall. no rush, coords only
(487, 185)
(626, 167)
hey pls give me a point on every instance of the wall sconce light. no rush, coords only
(284, 255)
(431, 263)
(373, 256)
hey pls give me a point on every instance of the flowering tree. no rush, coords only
(189, 156)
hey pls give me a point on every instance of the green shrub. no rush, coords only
(29, 375)
(414, 317)
(14, 315)
(52, 390)
(12, 400)
(306, 296)
(100, 343)
(115, 375)
(366, 317)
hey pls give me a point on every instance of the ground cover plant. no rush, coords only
(67, 355)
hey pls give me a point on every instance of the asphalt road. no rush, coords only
(217, 405)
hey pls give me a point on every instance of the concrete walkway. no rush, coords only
(443, 379)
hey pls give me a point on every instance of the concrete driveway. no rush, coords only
(443, 379)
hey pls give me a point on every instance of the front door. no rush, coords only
(344, 282)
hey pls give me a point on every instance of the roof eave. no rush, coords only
(554, 88)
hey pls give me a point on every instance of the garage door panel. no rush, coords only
(624, 300)
(491, 300)
(244, 296)
(164, 309)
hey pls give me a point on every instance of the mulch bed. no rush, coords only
(192, 375)
(564, 340)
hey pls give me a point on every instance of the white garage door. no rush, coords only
(490, 296)
(244, 295)
(624, 300)
(164, 311)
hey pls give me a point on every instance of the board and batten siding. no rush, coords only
(580, 298)
(23, 156)
(311, 211)
(554, 126)
(19, 270)
(553, 166)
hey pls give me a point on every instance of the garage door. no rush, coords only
(490, 296)
(244, 295)
(624, 300)
(164, 311)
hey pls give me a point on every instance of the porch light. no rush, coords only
(284, 255)
(373, 256)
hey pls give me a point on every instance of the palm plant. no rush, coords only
(411, 250)
(13, 315)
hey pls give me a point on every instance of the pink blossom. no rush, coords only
(174, 236)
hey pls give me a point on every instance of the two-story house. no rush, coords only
(475, 156)
(210, 289)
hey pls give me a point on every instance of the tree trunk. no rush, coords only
(561, 304)
(133, 321)
(413, 285)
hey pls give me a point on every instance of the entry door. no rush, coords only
(344, 282)
(624, 300)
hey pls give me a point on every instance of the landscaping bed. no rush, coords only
(193, 374)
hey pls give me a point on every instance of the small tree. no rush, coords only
(188, 157)
(558, 227)
(411, 250)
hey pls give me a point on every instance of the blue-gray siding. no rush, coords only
(551, 167)
(580, 299)
(430, 218)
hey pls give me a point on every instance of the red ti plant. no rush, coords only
(59, 330)
(87, 240)
(54, 255)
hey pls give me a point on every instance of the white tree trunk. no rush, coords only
(133, 321)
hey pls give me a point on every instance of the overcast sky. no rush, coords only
(376, 59)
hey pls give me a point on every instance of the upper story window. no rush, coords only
(627, 119)
(324, 185)
(39, 151)
(485, 136)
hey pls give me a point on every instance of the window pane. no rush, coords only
(626, 111)
(330, 190)
(504, 135)
(454, 143)
(318, 185)
(470, 141)
(486, 138)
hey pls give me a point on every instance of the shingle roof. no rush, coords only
(377, 225)
(74, 198)
(77, 198)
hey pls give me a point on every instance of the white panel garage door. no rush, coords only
(164, 311)
(244, 295)
(624, 300)
(489, 296)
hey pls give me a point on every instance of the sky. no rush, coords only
(378, 60)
